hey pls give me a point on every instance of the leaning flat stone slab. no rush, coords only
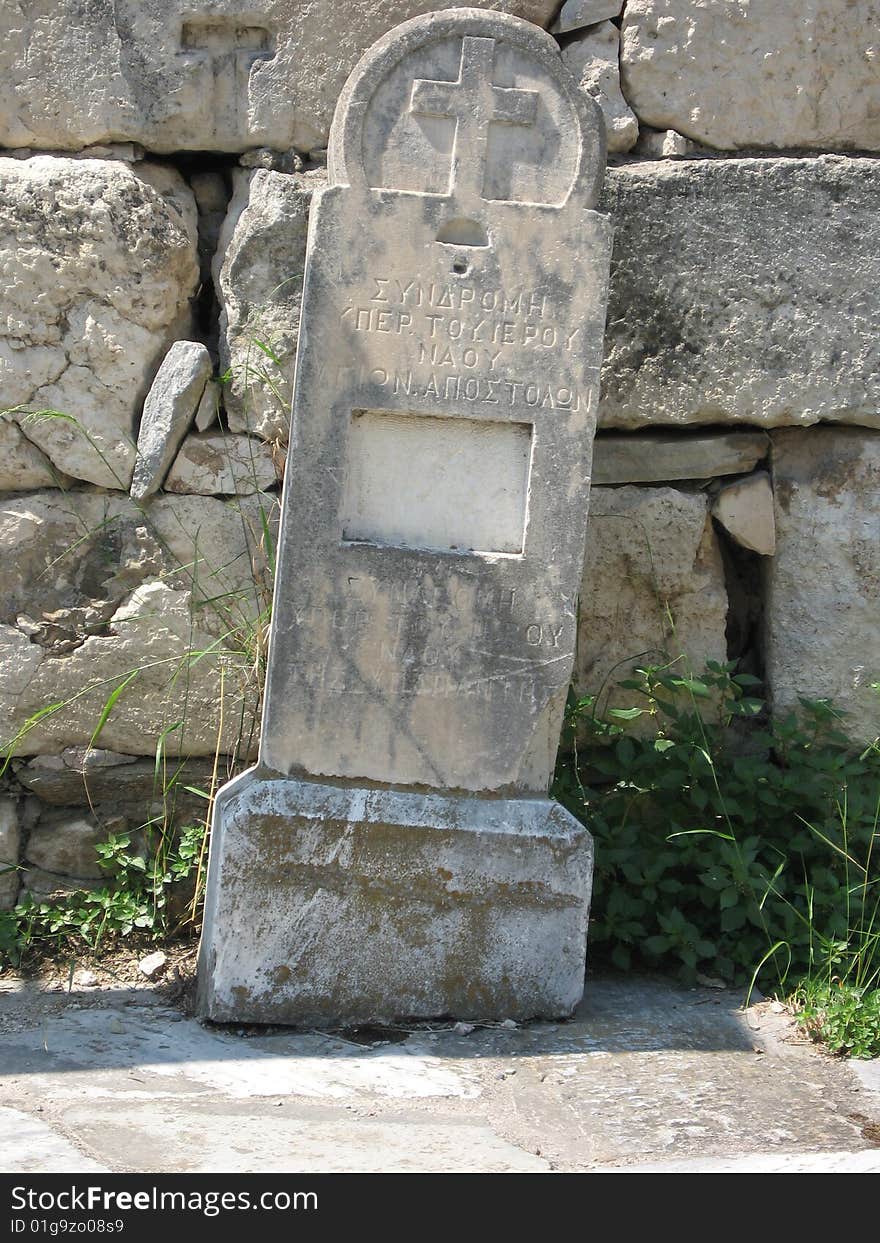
(445, 611)
(463, 906)
(208, 407)
(736, 74)
(175, 75)
(823, 585)
(168, 412)
(733, 298)
(663, 457)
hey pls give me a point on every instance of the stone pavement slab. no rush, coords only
(648, 1077)
(29, 1146)
(867, 1162)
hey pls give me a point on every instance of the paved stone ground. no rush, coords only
(647, 1076)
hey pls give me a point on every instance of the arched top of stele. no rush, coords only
(472, 106)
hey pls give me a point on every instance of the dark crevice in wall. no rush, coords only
(701, 153)
(743, 581)
(683, 432)
(210, 177)
(189, 162)
(572, 36)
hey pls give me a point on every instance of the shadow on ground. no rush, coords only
(646, 1072)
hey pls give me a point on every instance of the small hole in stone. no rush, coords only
(463, 232)
(460, 266)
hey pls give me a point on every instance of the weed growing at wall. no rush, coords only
(154, 878)
(730, 851)
(155, 890)
(154, 874)
(842, 1016)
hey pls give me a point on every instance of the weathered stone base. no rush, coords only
(337, 906)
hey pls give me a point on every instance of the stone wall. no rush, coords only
(157, 162)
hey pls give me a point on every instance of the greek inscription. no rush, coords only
(371, 319)
(539, 634)
(414, 293)
(468, 337)
(483, 331)
(460, 313)
(451, 356)
(454, 387)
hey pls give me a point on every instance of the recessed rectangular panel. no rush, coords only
(450, 484)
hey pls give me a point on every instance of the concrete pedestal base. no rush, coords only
(338, 906)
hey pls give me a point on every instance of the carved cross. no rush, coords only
(475, 102)
(230, 49)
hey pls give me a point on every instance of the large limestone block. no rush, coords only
(653, 587)
(201, 75)
(823, 585)
(501, 936)
(258, 273)
(97, 588)
(661, 457)
(593, 60)
(122, 797)
(756, 73)
(42, 886)
(65, 843)
(744, 291)
(99, 262)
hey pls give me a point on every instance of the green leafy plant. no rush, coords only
(140, 896)
(844, 1018)
(727, 845)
